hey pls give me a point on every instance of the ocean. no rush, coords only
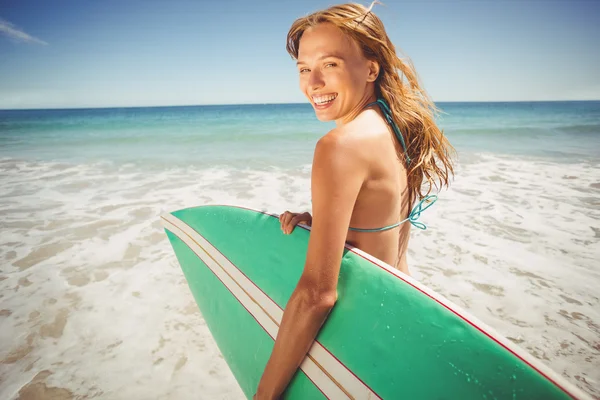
(94, 305)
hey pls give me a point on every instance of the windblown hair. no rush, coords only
(397, 83)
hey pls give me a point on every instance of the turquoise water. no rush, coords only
(515, 240)
(280, 135)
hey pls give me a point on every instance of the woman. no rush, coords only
(367, 172)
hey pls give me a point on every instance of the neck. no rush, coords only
(356, 109)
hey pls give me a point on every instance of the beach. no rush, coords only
(93, 303)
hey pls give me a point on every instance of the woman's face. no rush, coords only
(334, 75)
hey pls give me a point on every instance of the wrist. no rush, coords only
(263, 394)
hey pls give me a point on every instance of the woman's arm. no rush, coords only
(336, 180)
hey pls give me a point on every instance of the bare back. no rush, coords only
(383, 197)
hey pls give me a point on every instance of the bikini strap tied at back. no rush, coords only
(418, 209)
(414, 215)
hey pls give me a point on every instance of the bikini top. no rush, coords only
(425, 202)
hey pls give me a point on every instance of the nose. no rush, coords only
(315, 80)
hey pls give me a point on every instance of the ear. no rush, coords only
(373, 71)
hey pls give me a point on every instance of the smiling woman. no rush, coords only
(367, 172)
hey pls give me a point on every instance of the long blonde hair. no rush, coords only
(412, 110)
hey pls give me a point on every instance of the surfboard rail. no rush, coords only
(330, 375)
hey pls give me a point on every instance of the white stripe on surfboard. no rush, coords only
(557, 379)
(318, 376)
(331, 376)
(537, 365)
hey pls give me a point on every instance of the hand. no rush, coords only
(289, 220)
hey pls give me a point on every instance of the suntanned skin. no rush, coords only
(357, 180)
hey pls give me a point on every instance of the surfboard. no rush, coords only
(387, 337)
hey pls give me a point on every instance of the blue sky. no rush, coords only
(64, 53)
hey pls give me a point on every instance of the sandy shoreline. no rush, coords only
(93, 303)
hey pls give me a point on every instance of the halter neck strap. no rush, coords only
(387, 113)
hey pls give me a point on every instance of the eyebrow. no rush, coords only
(322, 57)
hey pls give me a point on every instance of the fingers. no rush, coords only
(289, 224)
(292, 224)
(285, 219)
(304, 217)
(295, 220)
(289, 220)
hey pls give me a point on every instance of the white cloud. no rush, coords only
(9, 30)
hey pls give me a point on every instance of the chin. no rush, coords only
(324, 117)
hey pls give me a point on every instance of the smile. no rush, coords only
(324, 99)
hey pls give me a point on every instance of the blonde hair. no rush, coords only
(412, 110)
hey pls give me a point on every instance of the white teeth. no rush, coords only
(324, 99)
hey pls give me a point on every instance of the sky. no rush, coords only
(71, 54)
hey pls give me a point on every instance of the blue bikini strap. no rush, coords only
(418, 209)
(387, 113)
(414, 215)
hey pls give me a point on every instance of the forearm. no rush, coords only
(302, 319)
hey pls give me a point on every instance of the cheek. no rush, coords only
(303, 84)
(356, 75)
(341, 79)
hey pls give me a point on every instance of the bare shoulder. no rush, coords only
(354, 140)
(338, 155)
(340, 142)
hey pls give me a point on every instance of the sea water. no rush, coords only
(93, 302)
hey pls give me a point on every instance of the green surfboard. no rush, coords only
(387, 337)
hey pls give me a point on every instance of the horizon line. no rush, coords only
(277, 103)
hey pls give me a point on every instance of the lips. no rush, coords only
(323, 99)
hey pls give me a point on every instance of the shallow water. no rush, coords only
(94, 305)
(92, 293)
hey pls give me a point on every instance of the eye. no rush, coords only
(303, 70)
(329, 65)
